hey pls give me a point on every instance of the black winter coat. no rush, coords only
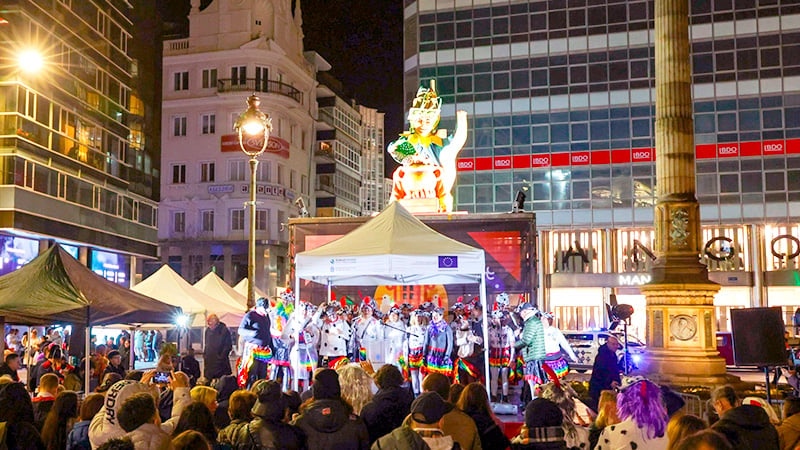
(492, 437)
(604, 372)
(218, 347)
(748, 427)
(16, 410)
(329, 424)
(386, 411)
(261, 434)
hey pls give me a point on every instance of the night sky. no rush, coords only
(363, 41)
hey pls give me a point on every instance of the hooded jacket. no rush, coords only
(150, 436)
(748, 427)
(330, 425)
(105, 425)
(386, 411)
(789, 432)
(401, 438)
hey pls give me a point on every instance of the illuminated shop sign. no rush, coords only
(111, 266)
(620, 156)
(639, 279)
(71, 249)
(275, 145)
(16, 252)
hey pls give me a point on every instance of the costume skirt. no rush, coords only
(415, 358)
(557, 362)
(281, 355)
(438, 361)
(499, 357)
(533, 372)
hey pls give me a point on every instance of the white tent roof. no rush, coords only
(213, 285)
(394, 247)
(241, 287)
(169, 287)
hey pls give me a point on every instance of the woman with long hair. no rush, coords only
(474, 401)
(643, 417)
(606, 415)
(59, 420)
(356, 386)
(197, 417)
(683, 426)
(78, 438)
(576, 435)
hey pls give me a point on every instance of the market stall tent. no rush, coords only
(394, 248)
(216, 287)
(241, 288)
(168, 286)
(57, 288)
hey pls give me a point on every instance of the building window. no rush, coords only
(237, 220)
(264, 172)
(179, 174)
(238, 75)
(262, 219)
(304, 184)
(209, 78)
(180, 81)
(179, 221)
(292, 180)
(207, 172)
(207, 219)
(280, 174)
(209, 123)
(237, 169)
(179, 126)
(262, 79)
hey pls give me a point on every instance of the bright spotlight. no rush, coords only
(182, 320)
(30, 61)
(253, 128)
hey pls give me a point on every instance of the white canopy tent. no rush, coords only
(214, 286)
(241, 288)
(168, 286)
(395, 248)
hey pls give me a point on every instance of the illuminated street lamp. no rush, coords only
(253, 127)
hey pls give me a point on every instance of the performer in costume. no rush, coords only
(415, 347)
(438, 345)
(405, 312)
(367, 334)
(257, 347)
(334, 334)
(303, 332)
(554, 343)
(464, 369)
(531, 345)
(501, 354)
(456, 313)
(395, 338)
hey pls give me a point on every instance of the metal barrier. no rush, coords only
(694, 405)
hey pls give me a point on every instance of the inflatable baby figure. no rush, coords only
(428, 156)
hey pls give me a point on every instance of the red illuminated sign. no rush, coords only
(276, 145)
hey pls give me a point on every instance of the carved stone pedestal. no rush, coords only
(681, 335)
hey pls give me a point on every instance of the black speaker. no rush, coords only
(758, 337)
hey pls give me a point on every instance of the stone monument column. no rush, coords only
(681, 321)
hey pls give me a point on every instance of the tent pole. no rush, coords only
(485, 303)
(87, 356)
(131, 356)
(329, 291)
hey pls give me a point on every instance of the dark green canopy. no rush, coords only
(56, 288)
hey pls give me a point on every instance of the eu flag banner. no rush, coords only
(448, 262)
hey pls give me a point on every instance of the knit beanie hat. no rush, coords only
(543, 413)
(326, 385)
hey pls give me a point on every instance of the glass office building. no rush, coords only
(561, 98)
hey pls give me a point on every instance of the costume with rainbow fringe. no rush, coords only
(256, 348)
(438, 348)
(501, 343)
(416, 346)
(302, 329)
(556, 345)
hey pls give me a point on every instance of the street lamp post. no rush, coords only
(252, 126)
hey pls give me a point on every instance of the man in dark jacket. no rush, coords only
(10, 366)
(267, 429)
(114, 364)
(746, 426)
(390, 405)
(190, 366)
(257, 347)
(424, 430)
(605, 371)
(329, 422)
(217, 349)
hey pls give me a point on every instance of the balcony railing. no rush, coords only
(268, 86)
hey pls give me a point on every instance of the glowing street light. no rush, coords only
(253, 126)
(30, 61)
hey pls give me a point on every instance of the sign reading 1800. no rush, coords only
(628, 155)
